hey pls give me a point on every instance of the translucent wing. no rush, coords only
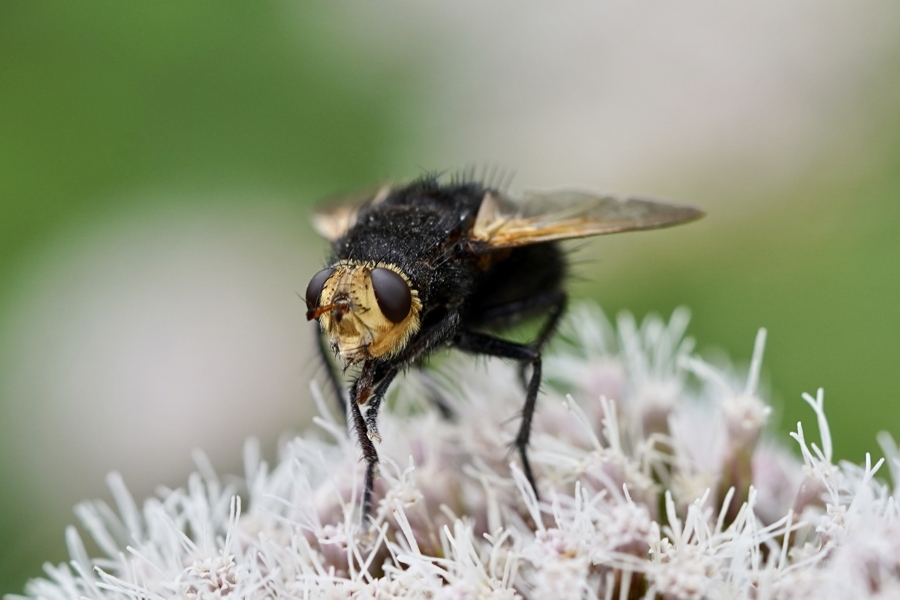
(546, 216)
(336, 216)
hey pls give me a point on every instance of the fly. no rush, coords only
(424, 266)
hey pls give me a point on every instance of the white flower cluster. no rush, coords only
(655, 483)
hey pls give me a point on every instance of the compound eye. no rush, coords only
(314, 289)
(393, 294)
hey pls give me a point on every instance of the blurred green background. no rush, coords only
(158, 162)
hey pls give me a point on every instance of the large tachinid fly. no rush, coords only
(423, 266)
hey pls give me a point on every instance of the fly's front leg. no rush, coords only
(333, 379)
(359, 394)
(384, 380)
(425, 343)
(479, 343)
(372, 385)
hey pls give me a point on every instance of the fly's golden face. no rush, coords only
(367, 310)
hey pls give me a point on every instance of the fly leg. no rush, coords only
(552, 303)
(384, 380)
(371, 386)
(437, 335)
(556, 306)
(479, 343)
(359, 394)
(367, 428)
(333, 379)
